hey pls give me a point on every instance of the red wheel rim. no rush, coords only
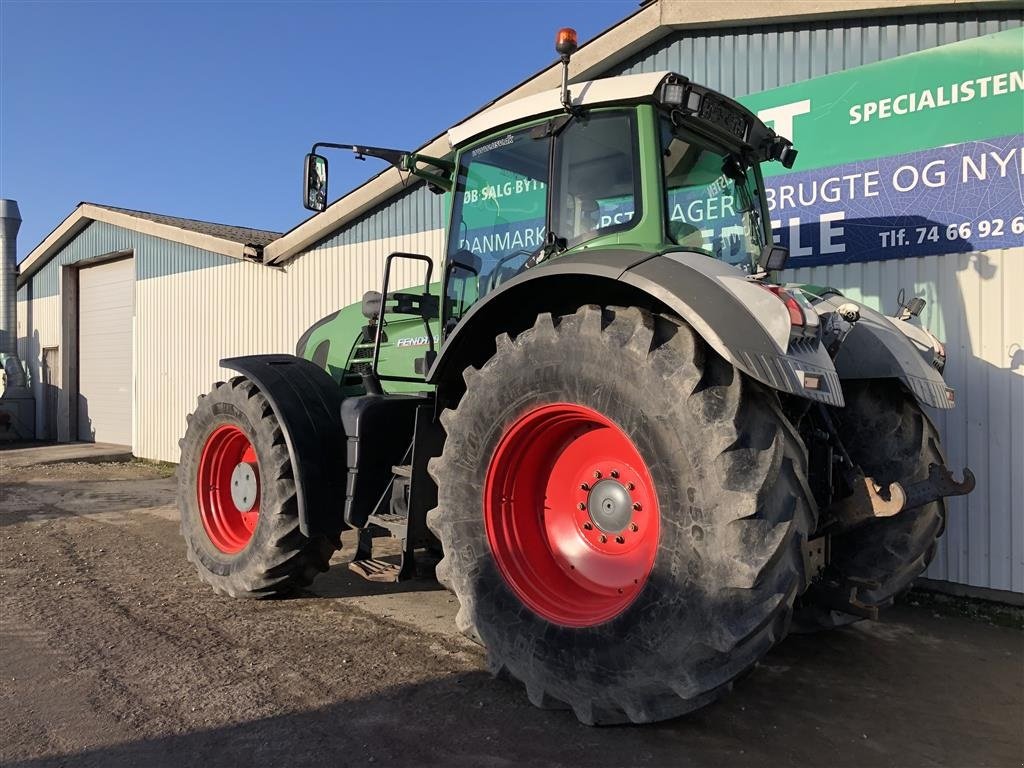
(228, 488)
(571, 514)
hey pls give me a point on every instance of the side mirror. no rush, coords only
(314, 188)
(773, 257)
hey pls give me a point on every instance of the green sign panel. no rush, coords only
(947, 95)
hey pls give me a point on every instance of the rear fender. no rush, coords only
(746, 325)
(742, 322)
(307, 404)
(877, 348)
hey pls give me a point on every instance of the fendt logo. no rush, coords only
(413, 341)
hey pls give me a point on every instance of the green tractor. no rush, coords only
(636, 460)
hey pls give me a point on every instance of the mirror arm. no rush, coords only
(447, 166)
(403, 161)
(439, 179)
(395, 157)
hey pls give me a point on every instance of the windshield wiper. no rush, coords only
(552, 127)
(553, 244)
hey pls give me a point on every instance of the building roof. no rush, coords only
(236, 242)
(243, 235)
(650, 23)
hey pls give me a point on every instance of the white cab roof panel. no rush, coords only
(589, 93)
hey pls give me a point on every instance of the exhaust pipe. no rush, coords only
(17, 404)
(10, 223)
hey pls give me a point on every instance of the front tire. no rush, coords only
(708, 470)
(236, 496)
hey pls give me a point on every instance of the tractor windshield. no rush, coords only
(711, 200)
(499, 220)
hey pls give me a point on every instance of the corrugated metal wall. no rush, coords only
(187, 322)
(39, 306)
(414, 210)
(194, 307)
(760, 57)
(974, 302)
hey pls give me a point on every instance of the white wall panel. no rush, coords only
(38, 327)
(188, 321)
(976, 306)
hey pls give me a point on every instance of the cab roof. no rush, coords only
(589, 93)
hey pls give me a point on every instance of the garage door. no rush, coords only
(106, 305)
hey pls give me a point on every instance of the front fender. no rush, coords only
(876, 348)
(746, 325)
(307, 404)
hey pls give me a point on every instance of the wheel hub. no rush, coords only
(610, 505)
(243, 486)
(571, 514)
(228, 488)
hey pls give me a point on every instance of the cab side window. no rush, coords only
(597, 179)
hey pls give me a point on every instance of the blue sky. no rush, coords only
(205, 110)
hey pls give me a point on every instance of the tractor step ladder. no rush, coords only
(394, 523)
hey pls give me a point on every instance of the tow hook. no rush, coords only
(845, 596)
(870, 500)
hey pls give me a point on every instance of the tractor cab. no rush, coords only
(624, 166)
(650, 163)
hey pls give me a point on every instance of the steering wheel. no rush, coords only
(493, 281)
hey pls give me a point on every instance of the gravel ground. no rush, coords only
(112, 653)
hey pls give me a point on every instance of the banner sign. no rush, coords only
(946, 200)
(918, 155)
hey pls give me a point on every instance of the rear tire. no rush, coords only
(257, 551)
(891, 438)
(728, 493)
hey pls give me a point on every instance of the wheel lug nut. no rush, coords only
(581, 506)
(620, 539)
(636, 506)
(602, 538)
(584, 487)
(615, 473)
(597, 474)
(630, 487)
(587, 526)
(634, 527)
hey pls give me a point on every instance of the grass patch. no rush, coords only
(164, 468)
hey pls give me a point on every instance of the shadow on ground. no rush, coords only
(339, 581)
(894, 693)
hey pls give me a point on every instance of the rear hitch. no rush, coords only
(870, 500)
(844, 595)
